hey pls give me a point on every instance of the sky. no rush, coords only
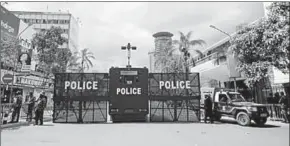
(106, 26)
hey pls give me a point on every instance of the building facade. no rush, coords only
(162, 40)
(45, 20)
(25, 77)
(217, 68)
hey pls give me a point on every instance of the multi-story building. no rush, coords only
(45, 20)
(25, 77)
(218, 69)
(162, 40)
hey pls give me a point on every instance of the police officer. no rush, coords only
(17, 107)
(208, 108)
(31, 103)
(40, 109)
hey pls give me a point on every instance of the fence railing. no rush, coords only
(275, 111)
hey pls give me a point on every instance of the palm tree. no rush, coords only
(164, 58)
(86, 56)
(73, 63)
(85, 63)
(184, 46)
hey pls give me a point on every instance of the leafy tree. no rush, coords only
(9, 51)
(264, 44)
(73, 63)
(85, 59)
(164, 58)
(185, 44)
(50, 52)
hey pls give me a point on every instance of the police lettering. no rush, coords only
(129, 91)
(81, 85)
(177, 85)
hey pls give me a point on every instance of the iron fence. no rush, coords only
(68, 112)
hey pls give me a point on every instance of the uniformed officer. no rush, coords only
(16, 107)
(208, 108)
(40, 109)
(31, 103)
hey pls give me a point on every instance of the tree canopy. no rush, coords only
(264, 44)
(9, 50)
(51, 52)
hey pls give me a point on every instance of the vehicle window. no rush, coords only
(223, 98)
(236, 97)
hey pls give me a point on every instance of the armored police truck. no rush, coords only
(128, 92)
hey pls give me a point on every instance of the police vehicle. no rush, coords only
(232, 104)
(128, 92)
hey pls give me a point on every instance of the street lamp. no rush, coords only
(129, 48)
(214, 27)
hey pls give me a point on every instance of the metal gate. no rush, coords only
(173, 103)
(78, 104)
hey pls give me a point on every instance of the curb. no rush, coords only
(21, 124)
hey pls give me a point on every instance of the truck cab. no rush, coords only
(232, 104)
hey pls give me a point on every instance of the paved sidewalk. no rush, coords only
(22, 121)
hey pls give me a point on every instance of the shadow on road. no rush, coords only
(254, 125)
(44, 125)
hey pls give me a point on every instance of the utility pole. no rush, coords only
(129, 48)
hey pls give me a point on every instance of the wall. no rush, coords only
(74, 34)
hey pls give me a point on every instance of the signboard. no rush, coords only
(174, 85)
(9, 23)
(7, 78)
(80, 85)
(25, 68)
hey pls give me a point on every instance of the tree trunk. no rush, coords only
(80, 102)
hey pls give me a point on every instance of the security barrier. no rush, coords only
(275, 111)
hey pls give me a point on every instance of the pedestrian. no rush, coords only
(31, 104)
(276, 98)
(17, 103)
(270, 98)
(208, 108)
(41, 104)
(284, 102)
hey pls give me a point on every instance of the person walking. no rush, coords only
(284, 102)
(16, 107)
(31, 104)
(208, 109)
(41, 105)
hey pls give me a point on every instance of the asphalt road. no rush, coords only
(147, 134)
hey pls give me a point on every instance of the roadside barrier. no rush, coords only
(275, 111)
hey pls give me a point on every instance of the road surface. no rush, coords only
(147, 134)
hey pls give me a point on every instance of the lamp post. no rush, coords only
(214, 27)
(129, 48)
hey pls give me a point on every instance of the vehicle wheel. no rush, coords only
(243, 119)
(261, 121)
(202, 114)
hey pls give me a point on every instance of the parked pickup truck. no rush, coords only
(232, 104)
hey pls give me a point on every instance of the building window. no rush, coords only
(49, 21)
(55, 21)
(38, 21)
